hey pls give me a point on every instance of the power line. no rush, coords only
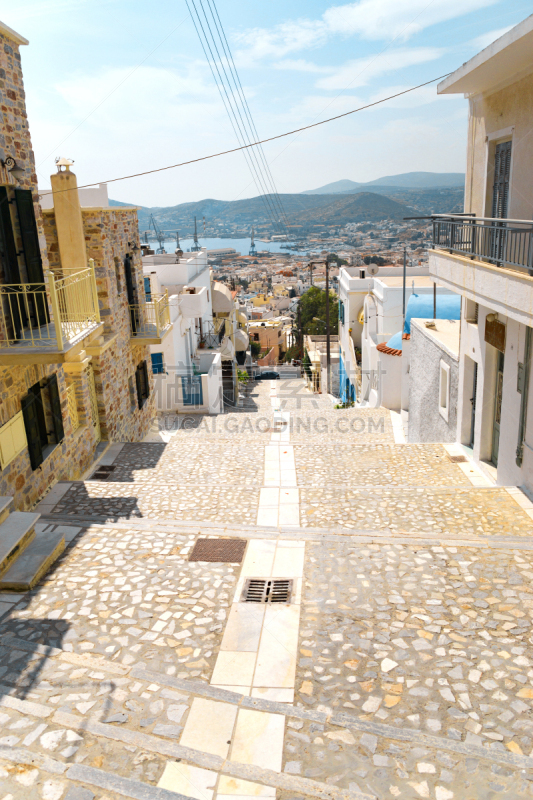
(232, 105)
(227, 105)
(262, 141)
(248, 114)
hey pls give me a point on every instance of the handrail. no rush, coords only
(499, 242)
(150, 319)
(49, 314)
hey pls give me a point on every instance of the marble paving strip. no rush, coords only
(19, 756)
(341, 720)
(247, 772)
(126, 787)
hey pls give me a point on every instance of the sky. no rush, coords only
(123, 86)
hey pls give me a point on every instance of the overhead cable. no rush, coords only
(262, 141)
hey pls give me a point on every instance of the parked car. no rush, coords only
(266, 376)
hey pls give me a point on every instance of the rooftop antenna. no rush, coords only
(195, 246)
(253, 251)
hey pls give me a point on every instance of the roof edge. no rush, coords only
(11, 34)
(497, 46)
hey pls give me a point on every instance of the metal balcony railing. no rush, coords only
(503, 242)
(211, 332)
(51, 314)
(150, 320)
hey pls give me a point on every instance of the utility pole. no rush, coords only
(328, 344)
(404, 282)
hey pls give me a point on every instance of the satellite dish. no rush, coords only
(372, 269)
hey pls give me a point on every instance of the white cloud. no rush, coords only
(360, 71)
(480, 42)
(382, 19)
(369, 19)
(300, 65)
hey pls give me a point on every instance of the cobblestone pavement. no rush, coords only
(459, 510)
(213, 503)
(376, 465)
(412, 664)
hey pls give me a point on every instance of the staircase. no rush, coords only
(25, 555)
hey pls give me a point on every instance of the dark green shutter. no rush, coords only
(29, 235)
(130, 288)
(55, 407)
(138, 382)
(33, 434)
(32, 254)
(8, 249)
(144, 366)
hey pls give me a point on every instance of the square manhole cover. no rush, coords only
(458, 459)
(263, 590)
(227, 550)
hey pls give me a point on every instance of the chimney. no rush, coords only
(69, 223)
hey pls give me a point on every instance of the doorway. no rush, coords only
(497, 409)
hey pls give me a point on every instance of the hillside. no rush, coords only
(300, 209)
(407, 180)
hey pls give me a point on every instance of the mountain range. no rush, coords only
(407, 180)
(333, 204)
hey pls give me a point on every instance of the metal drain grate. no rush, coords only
(226, 550)
(260, 590)
(103, 472)
(458, 459)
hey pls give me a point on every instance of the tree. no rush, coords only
(256, 349)
(313, 304)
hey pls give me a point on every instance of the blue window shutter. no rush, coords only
(147, 290)
(157, 363)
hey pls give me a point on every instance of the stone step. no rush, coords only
(6, 504)
(34, 561)
(16, 532)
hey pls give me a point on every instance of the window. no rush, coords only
(143, 383)
(444, 390)
(341, 312)
(147, 290)
(43, 420)
(158, 366)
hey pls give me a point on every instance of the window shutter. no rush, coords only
(8, 250)
(147, 290)
(144, 367)
(502, 172)
(130, 288)
(29, 235)
(158, 367)
(33, 434)
(138, 382)
(32, 254)
(55, 406)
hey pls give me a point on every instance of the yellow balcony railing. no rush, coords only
(150, 320)
(49, 314)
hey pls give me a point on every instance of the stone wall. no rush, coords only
(108, 233)
(111, 233)
(74, 455)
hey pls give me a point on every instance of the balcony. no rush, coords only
(502, 242)
(489, 261)
(47, 323)
(150, 321)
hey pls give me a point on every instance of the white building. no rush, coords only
(187, 369)
(370, 314)
(488, 258)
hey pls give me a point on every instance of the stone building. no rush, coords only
(74, 325)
